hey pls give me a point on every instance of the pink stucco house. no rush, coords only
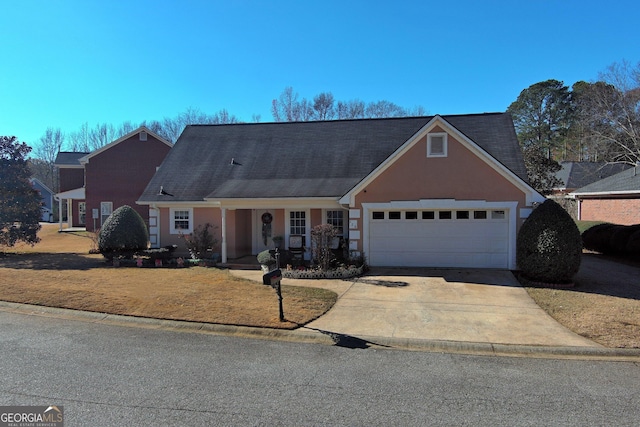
(437, 191)
(93, 184)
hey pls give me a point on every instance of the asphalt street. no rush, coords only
(107, 375)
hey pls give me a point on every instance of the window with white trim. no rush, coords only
(82, 213)
(297, 222)
(180, 220)
(437, 145)
(336, 218)
(106, 208)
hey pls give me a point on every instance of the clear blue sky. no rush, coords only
(64, 63)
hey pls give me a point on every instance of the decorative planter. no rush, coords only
(339, 273)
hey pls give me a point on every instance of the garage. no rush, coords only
(474, 237)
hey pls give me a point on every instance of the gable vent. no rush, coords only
(143, 136)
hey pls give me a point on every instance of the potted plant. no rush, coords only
(267, 261)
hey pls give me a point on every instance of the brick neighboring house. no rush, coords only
(615, 199)
(575, 175)
(437, 191)
(94, 184)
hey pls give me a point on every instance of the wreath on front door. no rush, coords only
(267, 218)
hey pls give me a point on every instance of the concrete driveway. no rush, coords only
(479, 306)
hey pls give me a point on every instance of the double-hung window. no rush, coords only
(181, 220)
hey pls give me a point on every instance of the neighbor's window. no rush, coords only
(82, 212)
(437, 145)
(181, 220)
(336, 218)
(298, 222)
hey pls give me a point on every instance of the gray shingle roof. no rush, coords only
(578, 174)
(625, 181)
(69, 158)
(305, 159)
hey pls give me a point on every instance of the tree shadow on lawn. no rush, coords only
(50, 261)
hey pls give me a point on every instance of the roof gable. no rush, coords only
(504, 148)
(307, 159)
(85, 159)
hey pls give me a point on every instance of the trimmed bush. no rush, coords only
(633, 244)
(620, 238)
(549, 246)
(123, 234)
(613, 239)
(598, 238)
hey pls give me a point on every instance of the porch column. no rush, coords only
(223, 248)
(60, 213)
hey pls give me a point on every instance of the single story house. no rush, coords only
(615, 199)
(574, 175)
(436, 191)
(94, 184)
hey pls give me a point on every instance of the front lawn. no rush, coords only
(59, 272)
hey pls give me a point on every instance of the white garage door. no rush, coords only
(472, 238)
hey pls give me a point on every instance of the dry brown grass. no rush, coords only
(59, 272)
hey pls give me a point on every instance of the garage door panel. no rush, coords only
(439, 243)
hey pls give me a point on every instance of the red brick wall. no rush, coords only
(121, 173)
(71, 178)
(616, 211)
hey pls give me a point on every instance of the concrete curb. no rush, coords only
(308, 335)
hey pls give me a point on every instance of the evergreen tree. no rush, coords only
(20, 204)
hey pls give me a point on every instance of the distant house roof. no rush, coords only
(625, 182)
(578, 174)
(141, 130)
(306, 159)
(38, 183)
(69, 158)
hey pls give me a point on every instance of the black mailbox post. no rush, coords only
(273, 279)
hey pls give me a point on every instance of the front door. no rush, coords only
(263, 230)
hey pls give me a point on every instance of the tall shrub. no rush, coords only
(322, 238)
(549, 246)
(123, 233)
(200, 241)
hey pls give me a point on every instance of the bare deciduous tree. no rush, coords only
(47, 149)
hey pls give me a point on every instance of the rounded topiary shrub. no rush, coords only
(549, 245)
(123, 233)
(598, 237)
